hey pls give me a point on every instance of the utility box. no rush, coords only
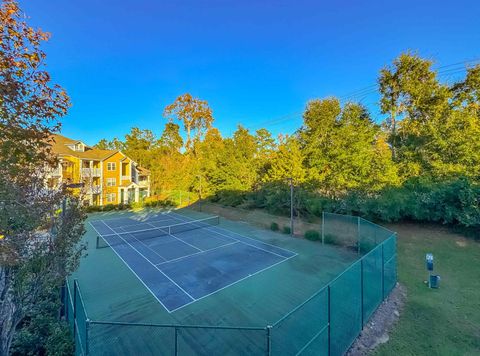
(429, 261)
(434, 281)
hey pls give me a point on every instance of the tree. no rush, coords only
(115, 144)
(342, 149)
(194, 113)
(287, 162)
(32, 263)
(410, 89)
(266, 147)
(439, 122)
(139, 145)
(171, 139)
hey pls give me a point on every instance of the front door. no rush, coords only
(131, 196)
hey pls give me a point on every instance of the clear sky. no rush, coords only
(256, 62)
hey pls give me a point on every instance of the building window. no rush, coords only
(111, 166)
(111, 182)
(111, 198)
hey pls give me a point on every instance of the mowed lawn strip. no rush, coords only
(444, 321)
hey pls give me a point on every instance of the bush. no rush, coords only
(41, 332)
(286, 230)
(312, 235)
(331, 240)
(274, 226)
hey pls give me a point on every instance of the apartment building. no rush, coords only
(101, 177)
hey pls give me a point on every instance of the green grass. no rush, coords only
(444, 321)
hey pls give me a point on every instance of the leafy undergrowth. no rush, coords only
(444, 321)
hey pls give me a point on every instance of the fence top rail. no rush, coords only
(342, 215)
(178, 326)
(378, 245)
(379, 226)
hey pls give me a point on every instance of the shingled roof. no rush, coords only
(60, 147)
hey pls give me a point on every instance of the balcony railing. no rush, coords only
(94, 189)
(91, 172)
(143, 183)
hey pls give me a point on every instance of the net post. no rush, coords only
(268, 330)
(176, 341)
(323, 227)
(98, 242)
(329, 320)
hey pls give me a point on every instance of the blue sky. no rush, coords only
(256, 62)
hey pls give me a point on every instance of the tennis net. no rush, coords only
(120, 238)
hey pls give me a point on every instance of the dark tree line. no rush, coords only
(421, 162)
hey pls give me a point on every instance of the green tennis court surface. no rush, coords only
(309, 299)
(182, 260)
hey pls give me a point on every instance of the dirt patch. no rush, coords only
(376, 331)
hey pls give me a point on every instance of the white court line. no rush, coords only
(238, 281)
(196, 253)
(236, 233)
(155, 227)
(136, 275)
(144, 244)
(186, 243)
(245, 243)
(171, 280)
(216, 232)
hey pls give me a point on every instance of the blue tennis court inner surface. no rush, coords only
(181, 260)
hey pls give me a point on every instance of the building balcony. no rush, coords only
(126, 177)
(94, 189)
(91, 172)
(143, 183)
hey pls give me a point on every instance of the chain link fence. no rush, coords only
(327, 323)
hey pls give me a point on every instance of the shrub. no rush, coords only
(312, 235)
(41, 332)
(274, 226)
(366, 246)
(331, 240)
(286, 230)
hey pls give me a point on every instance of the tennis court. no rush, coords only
(183, 282)
(181, 260)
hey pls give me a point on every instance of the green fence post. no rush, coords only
(383, 272)
(396, 267)
(176, 341)
(328, 315)
(361, 288)
(269, 340)
(323, 227)
(74, 306)
(358, 233)
(87, 327)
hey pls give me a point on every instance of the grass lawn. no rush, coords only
(445, 321)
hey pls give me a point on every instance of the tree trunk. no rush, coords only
(9, 315)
